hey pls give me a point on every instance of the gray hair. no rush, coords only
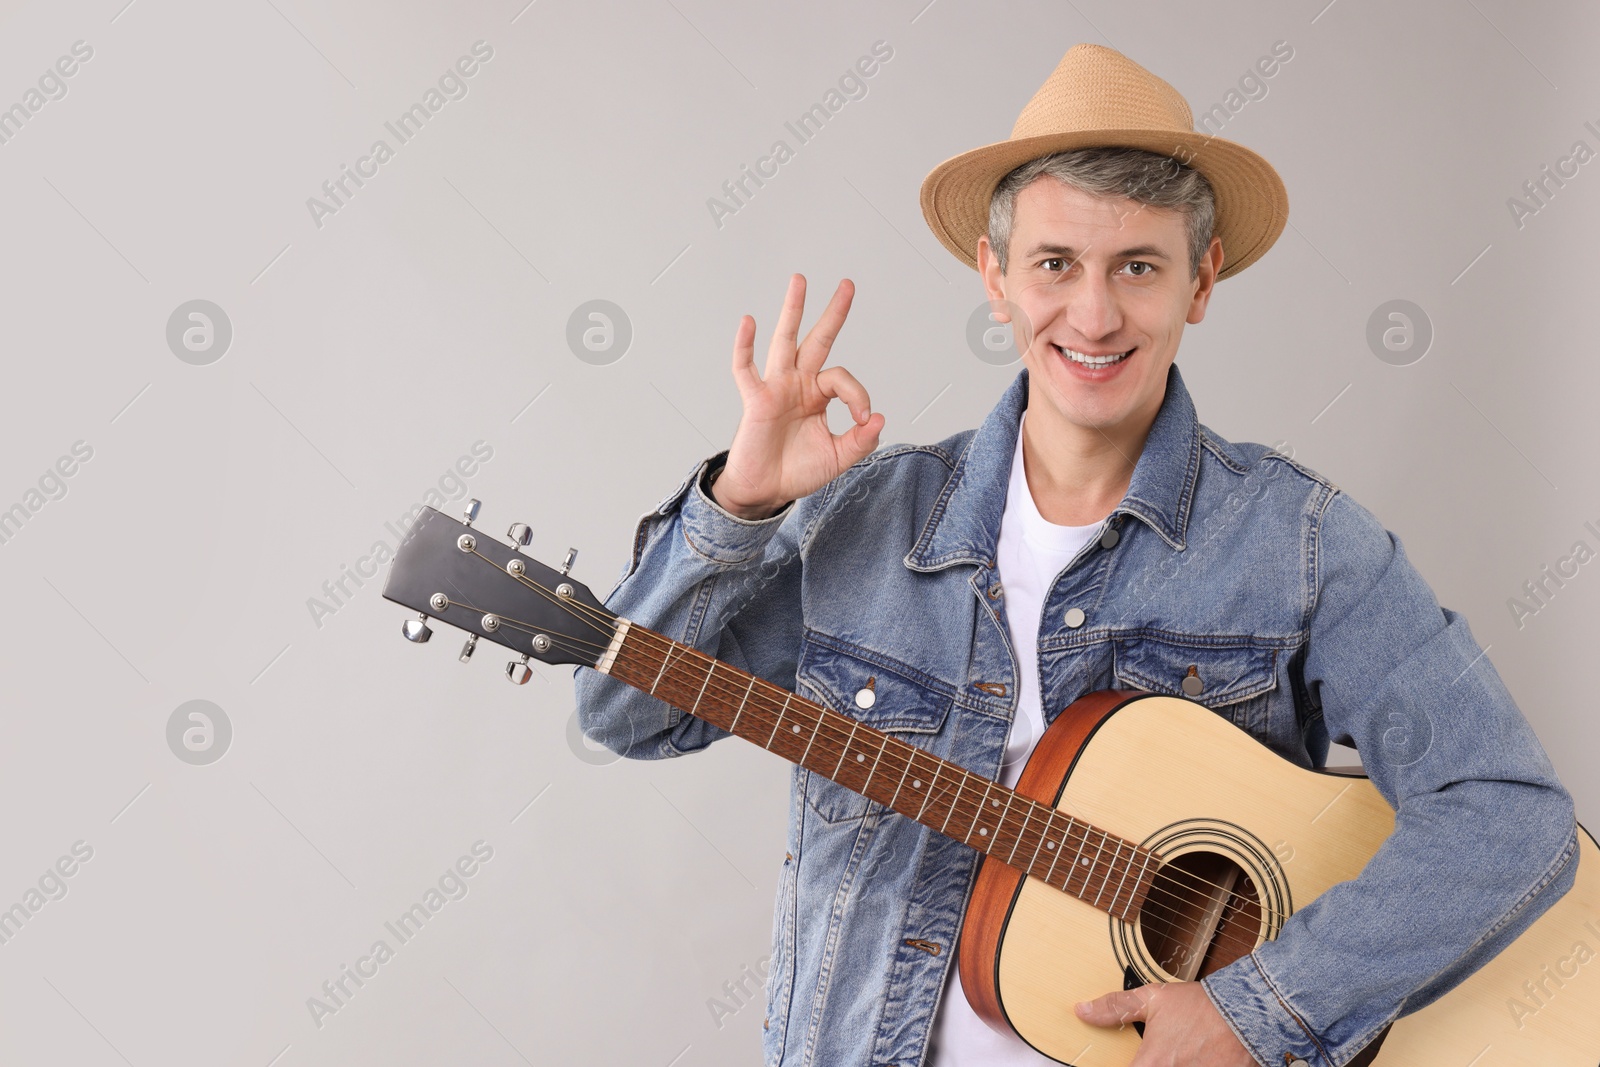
(1144, 177)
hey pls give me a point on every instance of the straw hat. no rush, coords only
(1098, 97)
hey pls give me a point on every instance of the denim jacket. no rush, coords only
(1306, 622)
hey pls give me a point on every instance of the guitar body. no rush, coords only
(1249, 838)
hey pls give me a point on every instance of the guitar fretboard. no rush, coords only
(1101, 869)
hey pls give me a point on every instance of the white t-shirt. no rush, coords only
(1031, 553)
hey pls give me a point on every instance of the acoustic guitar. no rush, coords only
(1087, 883)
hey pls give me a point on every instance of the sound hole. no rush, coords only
(1202, 913)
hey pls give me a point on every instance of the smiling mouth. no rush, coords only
(1086, 360)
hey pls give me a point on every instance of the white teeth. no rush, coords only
(1092, 361)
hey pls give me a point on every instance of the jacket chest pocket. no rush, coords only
(877, 691)
(1235, 681)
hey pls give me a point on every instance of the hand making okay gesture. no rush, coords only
(783, 448)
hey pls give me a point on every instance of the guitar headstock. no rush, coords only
(449, 571)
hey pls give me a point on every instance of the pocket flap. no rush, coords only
(1225, 674)
(871, 687)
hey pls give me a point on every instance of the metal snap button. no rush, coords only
(1074, 617)
(1192, 685)
(865, 698)
(1298, 1063)
(1110, 537)
(994, 591)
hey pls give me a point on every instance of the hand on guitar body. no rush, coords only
(783, 448)
(1182, 1028)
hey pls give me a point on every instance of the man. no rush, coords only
(1090, 534)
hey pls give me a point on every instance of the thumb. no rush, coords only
(1115, 1009)
(857, 443)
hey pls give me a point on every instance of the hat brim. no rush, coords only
(1252, 203)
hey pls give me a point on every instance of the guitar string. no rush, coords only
(953, 795)
(950, 794)
(1157, 901)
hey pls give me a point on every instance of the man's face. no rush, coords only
(1096, 277)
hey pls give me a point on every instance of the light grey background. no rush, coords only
(431, 312)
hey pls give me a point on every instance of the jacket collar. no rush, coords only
(964, 526)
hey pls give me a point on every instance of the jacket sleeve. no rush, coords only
(725, 585)
(1485, 838)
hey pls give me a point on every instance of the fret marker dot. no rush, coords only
(861, 757)
(796, 728)
(995, 803)
(983, 831)
(1084, 861)
(916, 783)
(1048, 845)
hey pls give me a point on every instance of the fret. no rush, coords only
(974, 825)
(1116, 859)
(903, 774)
(709, 672)
(1094, 865)
(664, 661)
(747, 691)
(954, 801)
(848, 742)
(779, 723)
(1050, 829)
(1033, 859)
(1144, 873)
(932, 785)
(1074, 863)
(883, 746)
(1017, 840)
(1078, 859)
(814, 731)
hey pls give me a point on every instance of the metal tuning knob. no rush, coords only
(416, 629)
(466, 649)
(518, 672)
(566, 564)
(520, 533)
(470, 512)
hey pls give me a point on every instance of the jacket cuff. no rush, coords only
(717, 534)
(1262, 1020)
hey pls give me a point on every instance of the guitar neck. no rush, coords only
(1101, 869)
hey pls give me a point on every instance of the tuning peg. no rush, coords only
(520, 533)
(416, 629)
(466, 649)
(518, 672)
(470, 512)
(566, 564)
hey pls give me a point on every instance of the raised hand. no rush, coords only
(783, 448)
